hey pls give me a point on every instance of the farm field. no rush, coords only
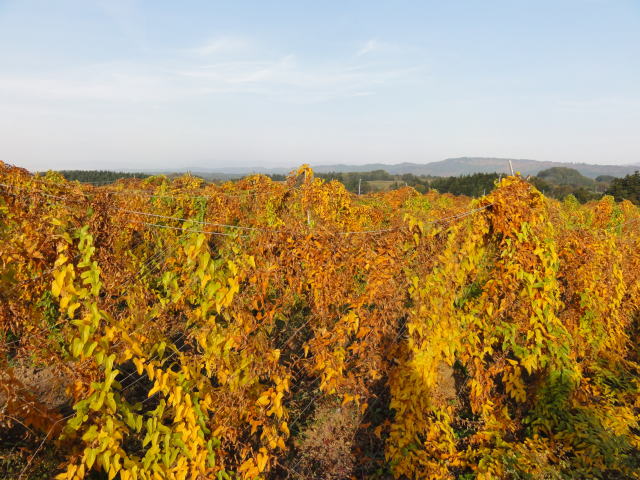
(173, 329)
(380, 185)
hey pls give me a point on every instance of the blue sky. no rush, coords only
(165, 84)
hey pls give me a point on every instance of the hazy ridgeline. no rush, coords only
(556, 182)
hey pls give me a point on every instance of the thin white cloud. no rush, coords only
(220, 45)
(239, 72)
(283, 78)
(370, 46)
(288, 80)
(102, 83)
(374, 47)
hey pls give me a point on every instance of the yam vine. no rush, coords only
(197, 329)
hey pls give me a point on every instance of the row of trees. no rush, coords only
(470, 185)
(556, 182)
(98, 176)
(626, 188)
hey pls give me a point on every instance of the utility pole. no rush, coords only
(359, 184)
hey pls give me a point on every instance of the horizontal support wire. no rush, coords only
(372, 231)
(444, 220)
(155, 215)
(139, 276)
(190, 230)
(377, 231)
(148, 193)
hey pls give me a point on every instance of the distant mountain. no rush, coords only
(468, 165)
(443, 168)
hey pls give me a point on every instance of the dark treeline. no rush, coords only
(474, 185)
(374, 175)
(98, 176)
(626, 188)
(557, 182)
(471, 185)
(361, 181)
(365, 180)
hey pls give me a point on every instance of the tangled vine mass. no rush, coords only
(173, 329)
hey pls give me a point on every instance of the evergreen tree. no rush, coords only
(627, 188)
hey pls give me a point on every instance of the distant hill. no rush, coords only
(469, 165)
(444, 168)
(566, 176)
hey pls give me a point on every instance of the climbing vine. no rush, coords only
(205, 331)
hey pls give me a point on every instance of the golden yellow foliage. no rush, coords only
(198, 325)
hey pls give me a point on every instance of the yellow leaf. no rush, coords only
(262, 459)
(90, 456)
(72, 308)
(71, 471)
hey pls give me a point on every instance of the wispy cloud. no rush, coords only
(282, 78)
(370, 46)
(113, 82)
(373, 46)
(239, 72)
(290, 80)
(220, 45)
